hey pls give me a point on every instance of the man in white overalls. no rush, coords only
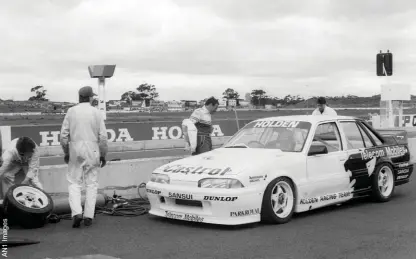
(84, 142)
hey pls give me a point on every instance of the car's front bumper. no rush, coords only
(207, 205)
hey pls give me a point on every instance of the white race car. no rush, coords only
(276, 166)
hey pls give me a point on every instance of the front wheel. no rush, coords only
(278, 201)
(383, 183)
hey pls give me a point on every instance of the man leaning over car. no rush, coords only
(323, 108)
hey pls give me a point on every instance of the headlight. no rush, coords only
(220, 183)
(160, 178)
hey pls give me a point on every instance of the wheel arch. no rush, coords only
(386, 160)
(295, 186)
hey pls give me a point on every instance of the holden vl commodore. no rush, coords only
(274, 167)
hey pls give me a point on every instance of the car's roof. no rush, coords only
(308, 118)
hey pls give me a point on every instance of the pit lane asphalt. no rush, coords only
(360, 229)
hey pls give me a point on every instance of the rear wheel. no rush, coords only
(383, 183)
(278, 201)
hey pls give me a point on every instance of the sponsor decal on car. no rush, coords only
(257, 178)
(219, 198)
(153, 191)
(186, 216)
(243, 213)
(196, 170)
(403, 171)
(394, 151)
(375, 153)
(276, 124)
(328, 197)
(402, 177)
(181, 196)
(309, 200)
(403, 165)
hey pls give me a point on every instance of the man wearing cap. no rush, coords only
(84, 142)
(323, 108)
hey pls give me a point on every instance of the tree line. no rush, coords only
(147, 92)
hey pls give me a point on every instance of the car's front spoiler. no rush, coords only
(207, 205)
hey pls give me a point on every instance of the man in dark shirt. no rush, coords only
(203, 122)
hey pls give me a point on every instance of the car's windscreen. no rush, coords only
(288, 136)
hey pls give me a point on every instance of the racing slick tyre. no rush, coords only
(278, 201)
(27, 206)
(383, 183)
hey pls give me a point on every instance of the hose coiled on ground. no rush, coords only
(116, 206)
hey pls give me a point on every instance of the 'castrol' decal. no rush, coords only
(196, 170)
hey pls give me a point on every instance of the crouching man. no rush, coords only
(20, 165)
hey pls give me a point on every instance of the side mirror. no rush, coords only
(317, 149)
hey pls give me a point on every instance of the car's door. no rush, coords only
(325, 171)
(358, 166)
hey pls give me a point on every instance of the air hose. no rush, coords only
(115, 206)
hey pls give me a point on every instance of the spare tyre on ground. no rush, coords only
(27, 206)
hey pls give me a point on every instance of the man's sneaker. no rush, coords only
(87, 222)
(77, 221)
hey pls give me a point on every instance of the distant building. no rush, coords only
(232, 103)
(189, 105)
(244, 103)
(138, 104)
(157, 105)
(114, 102)
(175, 106)
(222, 105)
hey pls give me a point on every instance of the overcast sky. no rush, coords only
(192, 49)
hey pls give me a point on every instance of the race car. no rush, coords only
(274, 167)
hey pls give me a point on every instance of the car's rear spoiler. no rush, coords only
(390, 136)
(394, 137)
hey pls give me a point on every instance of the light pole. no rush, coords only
(101, 72)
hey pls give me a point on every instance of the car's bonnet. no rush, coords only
(220, 163)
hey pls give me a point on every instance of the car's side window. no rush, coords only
(367, 140)
(328, 134)
(352, 134)
(373, 136)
